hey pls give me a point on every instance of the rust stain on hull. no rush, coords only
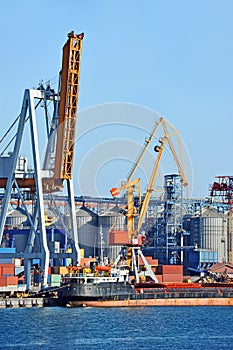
(157, 302)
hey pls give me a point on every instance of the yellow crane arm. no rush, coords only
(68, 105)
(131, 187)
(180, 165)
(149, 190)
(143, 151)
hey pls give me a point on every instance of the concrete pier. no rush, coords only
(21, 302)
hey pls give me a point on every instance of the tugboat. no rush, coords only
(104, 283)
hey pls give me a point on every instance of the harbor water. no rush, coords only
(116, 328)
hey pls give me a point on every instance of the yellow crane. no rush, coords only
(132, 211)
(130, 184)
(178, 156)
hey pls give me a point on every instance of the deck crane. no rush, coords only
(133, 246)
(58, 161)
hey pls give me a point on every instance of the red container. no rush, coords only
(8, 281)
(172, 269)
(159, 278)
(118, 237)
(172, 278)
(7, 269)
(86, 261)
(150, 260)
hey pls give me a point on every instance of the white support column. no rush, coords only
(11, 176)
(70, 188)
(39, 189)
(134, 265)
(148, 267)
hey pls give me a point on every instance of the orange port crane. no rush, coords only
(57, 165)
(67, 112)
(64, 124)
(68, 105)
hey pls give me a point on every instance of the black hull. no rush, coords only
(104, 294)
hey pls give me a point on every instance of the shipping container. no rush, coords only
(159, 278)
(8, 280)
(6, 261)
(118, 237)
(35, 261)
(172, 269)
(150, 260)
(172, 277)
(7, 250)
(55, 278)
(7, 270)
(61, 270)
(86, 261)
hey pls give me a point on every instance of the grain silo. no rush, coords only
(87, 223)
(229, 220)
(208, 230)
(16, 221)
(111, 219)
(16, 218)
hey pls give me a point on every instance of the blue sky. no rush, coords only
(174, 57)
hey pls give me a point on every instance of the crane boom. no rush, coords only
(150, 186)
(143, 151)
(131, 187)
(68, 105)
(180, 166)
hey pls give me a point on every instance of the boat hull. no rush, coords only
(153, 302)
(109, 292)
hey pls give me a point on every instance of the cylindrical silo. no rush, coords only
(87, 224)
(208, 231)
(112, 219)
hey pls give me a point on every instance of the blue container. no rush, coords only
(7, 250)
(37, 278)
(5, 261)
(35, 261)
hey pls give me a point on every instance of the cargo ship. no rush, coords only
(108, 288)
